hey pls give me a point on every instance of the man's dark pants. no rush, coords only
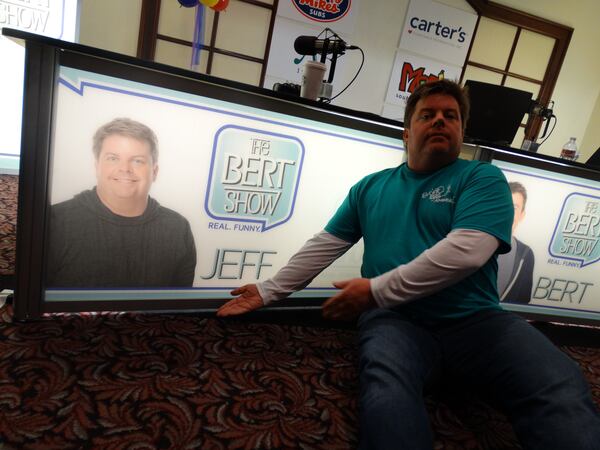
(496, 353)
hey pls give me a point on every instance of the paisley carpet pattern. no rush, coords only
(149, 381)
(9, 186)
(115, 381)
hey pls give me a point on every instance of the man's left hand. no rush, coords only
(354, 299)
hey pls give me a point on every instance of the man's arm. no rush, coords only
(449, 261)
(452, 259)
(314, 256)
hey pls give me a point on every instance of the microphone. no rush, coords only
(310, 45)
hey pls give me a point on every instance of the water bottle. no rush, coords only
(569, 150)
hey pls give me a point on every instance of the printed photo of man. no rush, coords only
(115, 235)
(515, 269)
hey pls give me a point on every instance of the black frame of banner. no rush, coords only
(44, 56)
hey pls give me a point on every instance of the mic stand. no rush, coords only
(325, 50)
(334, 58)
(327, 87)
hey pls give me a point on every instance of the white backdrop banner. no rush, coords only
(306, 18)
(285, 65)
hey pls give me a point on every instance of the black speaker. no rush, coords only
(594, 160)
(496, 112)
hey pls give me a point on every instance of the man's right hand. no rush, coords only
(249, 299)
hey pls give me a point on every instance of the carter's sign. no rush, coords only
(437, 31)
(254, 176)
(577, 232)
(323, 10)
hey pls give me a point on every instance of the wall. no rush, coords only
(578, 87)
(591, 138)
(112, 24)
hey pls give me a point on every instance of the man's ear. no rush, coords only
(154, 172)
(405, 134)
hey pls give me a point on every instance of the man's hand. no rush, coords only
(354, 299)
(249, 299)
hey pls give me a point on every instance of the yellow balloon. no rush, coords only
(209, 3)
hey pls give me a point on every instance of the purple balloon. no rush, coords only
(188, 3)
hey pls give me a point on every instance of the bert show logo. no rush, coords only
(577, 232)
(323, 10)
(254, 176)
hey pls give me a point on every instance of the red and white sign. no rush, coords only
(410, 71)
(339, 15)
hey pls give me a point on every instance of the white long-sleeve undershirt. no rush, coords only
(452, 259)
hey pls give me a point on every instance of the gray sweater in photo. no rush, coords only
(91, 247)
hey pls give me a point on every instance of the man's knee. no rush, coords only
(561, 379)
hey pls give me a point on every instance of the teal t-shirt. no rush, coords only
(400, 213)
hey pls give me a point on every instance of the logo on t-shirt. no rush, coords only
(440, 194)
(254, 176)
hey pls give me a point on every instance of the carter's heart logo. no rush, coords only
(409, 31)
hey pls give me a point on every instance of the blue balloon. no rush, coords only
(188, 3)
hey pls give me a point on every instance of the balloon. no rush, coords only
(209, 3)
(188, 3)
(221, 5)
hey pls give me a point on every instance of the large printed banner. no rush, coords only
(252, 184)
(556, 248)
(52, 18)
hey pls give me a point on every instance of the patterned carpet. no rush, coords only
(9, 186)
(144, 381)
(154, 381)
(115, 380)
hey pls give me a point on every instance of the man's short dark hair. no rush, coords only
(518, 188)
(444, 86)
(126, 127)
